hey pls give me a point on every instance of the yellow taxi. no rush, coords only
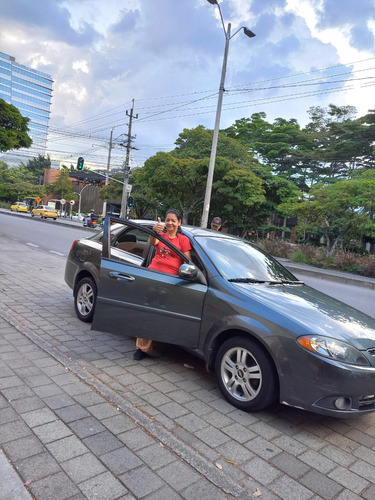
(19, 207)
(44, 212)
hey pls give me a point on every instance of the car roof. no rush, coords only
(192, 231)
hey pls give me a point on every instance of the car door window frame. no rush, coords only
(106, 252)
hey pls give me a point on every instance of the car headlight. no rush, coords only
(333, 349)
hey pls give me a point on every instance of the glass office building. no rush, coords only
(30, 91)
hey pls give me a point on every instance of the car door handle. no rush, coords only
(121, 276)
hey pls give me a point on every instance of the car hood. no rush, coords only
(304, 310)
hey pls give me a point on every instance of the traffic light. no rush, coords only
(130, 201)
(80, 163)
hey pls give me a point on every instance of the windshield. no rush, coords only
(235, 258)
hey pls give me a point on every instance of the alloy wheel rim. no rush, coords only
(241, 374)
(85, 300)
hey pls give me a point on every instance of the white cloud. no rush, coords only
(82, 65)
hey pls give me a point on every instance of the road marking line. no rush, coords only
(32, 245)
(57, 253)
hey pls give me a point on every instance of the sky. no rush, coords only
(167, 56)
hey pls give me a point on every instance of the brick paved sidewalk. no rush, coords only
(79, 418)
(66, 440)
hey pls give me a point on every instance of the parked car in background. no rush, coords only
(19, 207)
(267, 336)
(79, 217)
(45, 212)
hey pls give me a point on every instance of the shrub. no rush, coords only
(278, 248)
(346, 261)
(305, 253)
(368, 267)
(301, 257)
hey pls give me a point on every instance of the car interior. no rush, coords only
(132, 241)
(136, 242)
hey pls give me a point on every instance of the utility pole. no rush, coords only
(124, 199)
(104, 211)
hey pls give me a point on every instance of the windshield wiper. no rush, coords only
(286, 282)
(276, 282)
(245, 280)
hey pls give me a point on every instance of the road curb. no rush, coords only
(11, 483)
(327, 274)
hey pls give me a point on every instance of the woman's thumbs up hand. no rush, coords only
(159, 226)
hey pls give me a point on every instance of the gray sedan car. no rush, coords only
(267, 336)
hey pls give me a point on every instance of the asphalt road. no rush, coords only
(359, 297)
(52, 236)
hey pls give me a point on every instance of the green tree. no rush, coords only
(236, 191)
(237, 195)
(12, 192)
(174, 182)
(181, 183)
(343, 209)
(144, 202)
(249, 131)
(37, 166)
(178, 179)
(281, 145)
(343, 144)
(13, 128)
(62, 188)
(196, 143)
(16, 183)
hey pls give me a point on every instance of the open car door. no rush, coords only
(139, 302)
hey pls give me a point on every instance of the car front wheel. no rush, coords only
(246, 375)
(85, 299)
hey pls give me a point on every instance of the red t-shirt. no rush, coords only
(165, 259)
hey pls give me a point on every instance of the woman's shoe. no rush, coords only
(138, 355)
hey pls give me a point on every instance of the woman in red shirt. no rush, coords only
(165, 260)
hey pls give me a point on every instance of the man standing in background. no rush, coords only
(216, 224)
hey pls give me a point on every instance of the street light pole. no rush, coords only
(79, 199)
(211, 167)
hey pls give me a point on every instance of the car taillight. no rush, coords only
(73, 244)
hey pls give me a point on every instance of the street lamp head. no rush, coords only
(212, 2)
(247, 32)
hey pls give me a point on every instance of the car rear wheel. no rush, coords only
(246, 375)
(85, 299)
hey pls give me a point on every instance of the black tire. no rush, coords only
(32, 215)
(85, 295)
(246, 375)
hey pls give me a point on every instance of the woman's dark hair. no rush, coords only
(177, 214)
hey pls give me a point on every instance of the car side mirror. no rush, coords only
(188, 272)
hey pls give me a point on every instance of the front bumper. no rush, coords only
(328, 387)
